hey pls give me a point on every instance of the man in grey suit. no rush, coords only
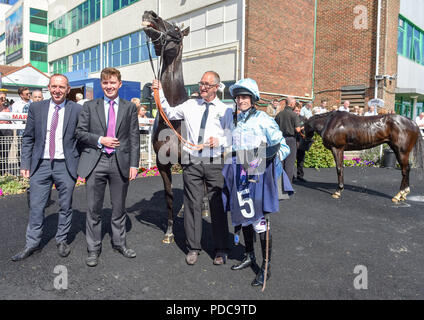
(50, 155)
(109, 132)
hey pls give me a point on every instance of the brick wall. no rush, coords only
(346, 47)
(279, 45)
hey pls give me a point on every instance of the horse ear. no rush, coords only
(185, 32)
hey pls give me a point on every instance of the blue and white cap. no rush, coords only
(245, 86)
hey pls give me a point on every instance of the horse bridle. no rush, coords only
(163, 41)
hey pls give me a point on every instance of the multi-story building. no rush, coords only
(25, 34)
(410, 57)
(313, 49)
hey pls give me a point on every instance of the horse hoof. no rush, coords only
(205, 214)
(395, 200)
(168, 239)
(180, 214)
(336, 195)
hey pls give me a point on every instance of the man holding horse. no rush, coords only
(207, 123)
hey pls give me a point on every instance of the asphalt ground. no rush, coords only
(361, 246)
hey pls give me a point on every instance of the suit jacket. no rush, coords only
(34, 137)
(92, 125)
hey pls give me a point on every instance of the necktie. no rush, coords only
(53, 126)
(203, 124)
(111, 125)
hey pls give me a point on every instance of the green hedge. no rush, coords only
(319, 156)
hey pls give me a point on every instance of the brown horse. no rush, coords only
(167, 39)
(342, 131)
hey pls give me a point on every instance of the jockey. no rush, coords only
(251, 173)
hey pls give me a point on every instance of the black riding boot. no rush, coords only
(249, 258)
(260, 276)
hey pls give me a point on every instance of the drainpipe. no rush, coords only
(377, 51)
(314, 54)
(243, 35)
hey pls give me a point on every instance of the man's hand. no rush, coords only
(133, 173)
(212, 142)
(25, 173)
(156, 84)
(109, 142)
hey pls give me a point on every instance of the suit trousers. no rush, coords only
(194, 176)
(106, 171)
(288, 163)
(41, 182)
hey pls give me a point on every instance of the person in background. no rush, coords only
(306, 110)
(6, 135)
(79, 97)
(22, 104)
(320, 109)
(37, 95)
(420, 122)
(334, 108)
(355, 110)
(289, 124)
(273, 108)
(371, 111)
(300, 143)
(345, 106)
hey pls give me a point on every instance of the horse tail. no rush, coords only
(418, 153)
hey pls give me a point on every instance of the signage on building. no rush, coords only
(14, 35)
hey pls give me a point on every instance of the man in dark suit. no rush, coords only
(50, 155)
(108, 130)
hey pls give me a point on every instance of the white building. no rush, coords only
(410, 78)
(80, 38)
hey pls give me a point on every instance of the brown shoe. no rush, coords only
(191, 257)
(220, 258)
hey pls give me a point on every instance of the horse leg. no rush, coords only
(403, 159)
(165, 172)
(338, 157)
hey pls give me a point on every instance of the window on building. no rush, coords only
(401, 36)
(2, 36)
(110, 6)
(87, 59)
(410, 41)
(59, 66)
(38, 55)
(76, 19)
(38, 21)
(126, 50)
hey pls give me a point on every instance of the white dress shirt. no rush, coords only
(218, 124)
(58, 152)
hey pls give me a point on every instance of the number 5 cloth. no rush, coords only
(248, 201)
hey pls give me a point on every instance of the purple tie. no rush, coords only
(52, 136)
(111, 125)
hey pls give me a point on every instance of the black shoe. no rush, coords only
(63, 249)
(248, 260)
(25, 253)
(127, 253)
(260, 276)
(93, 258)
